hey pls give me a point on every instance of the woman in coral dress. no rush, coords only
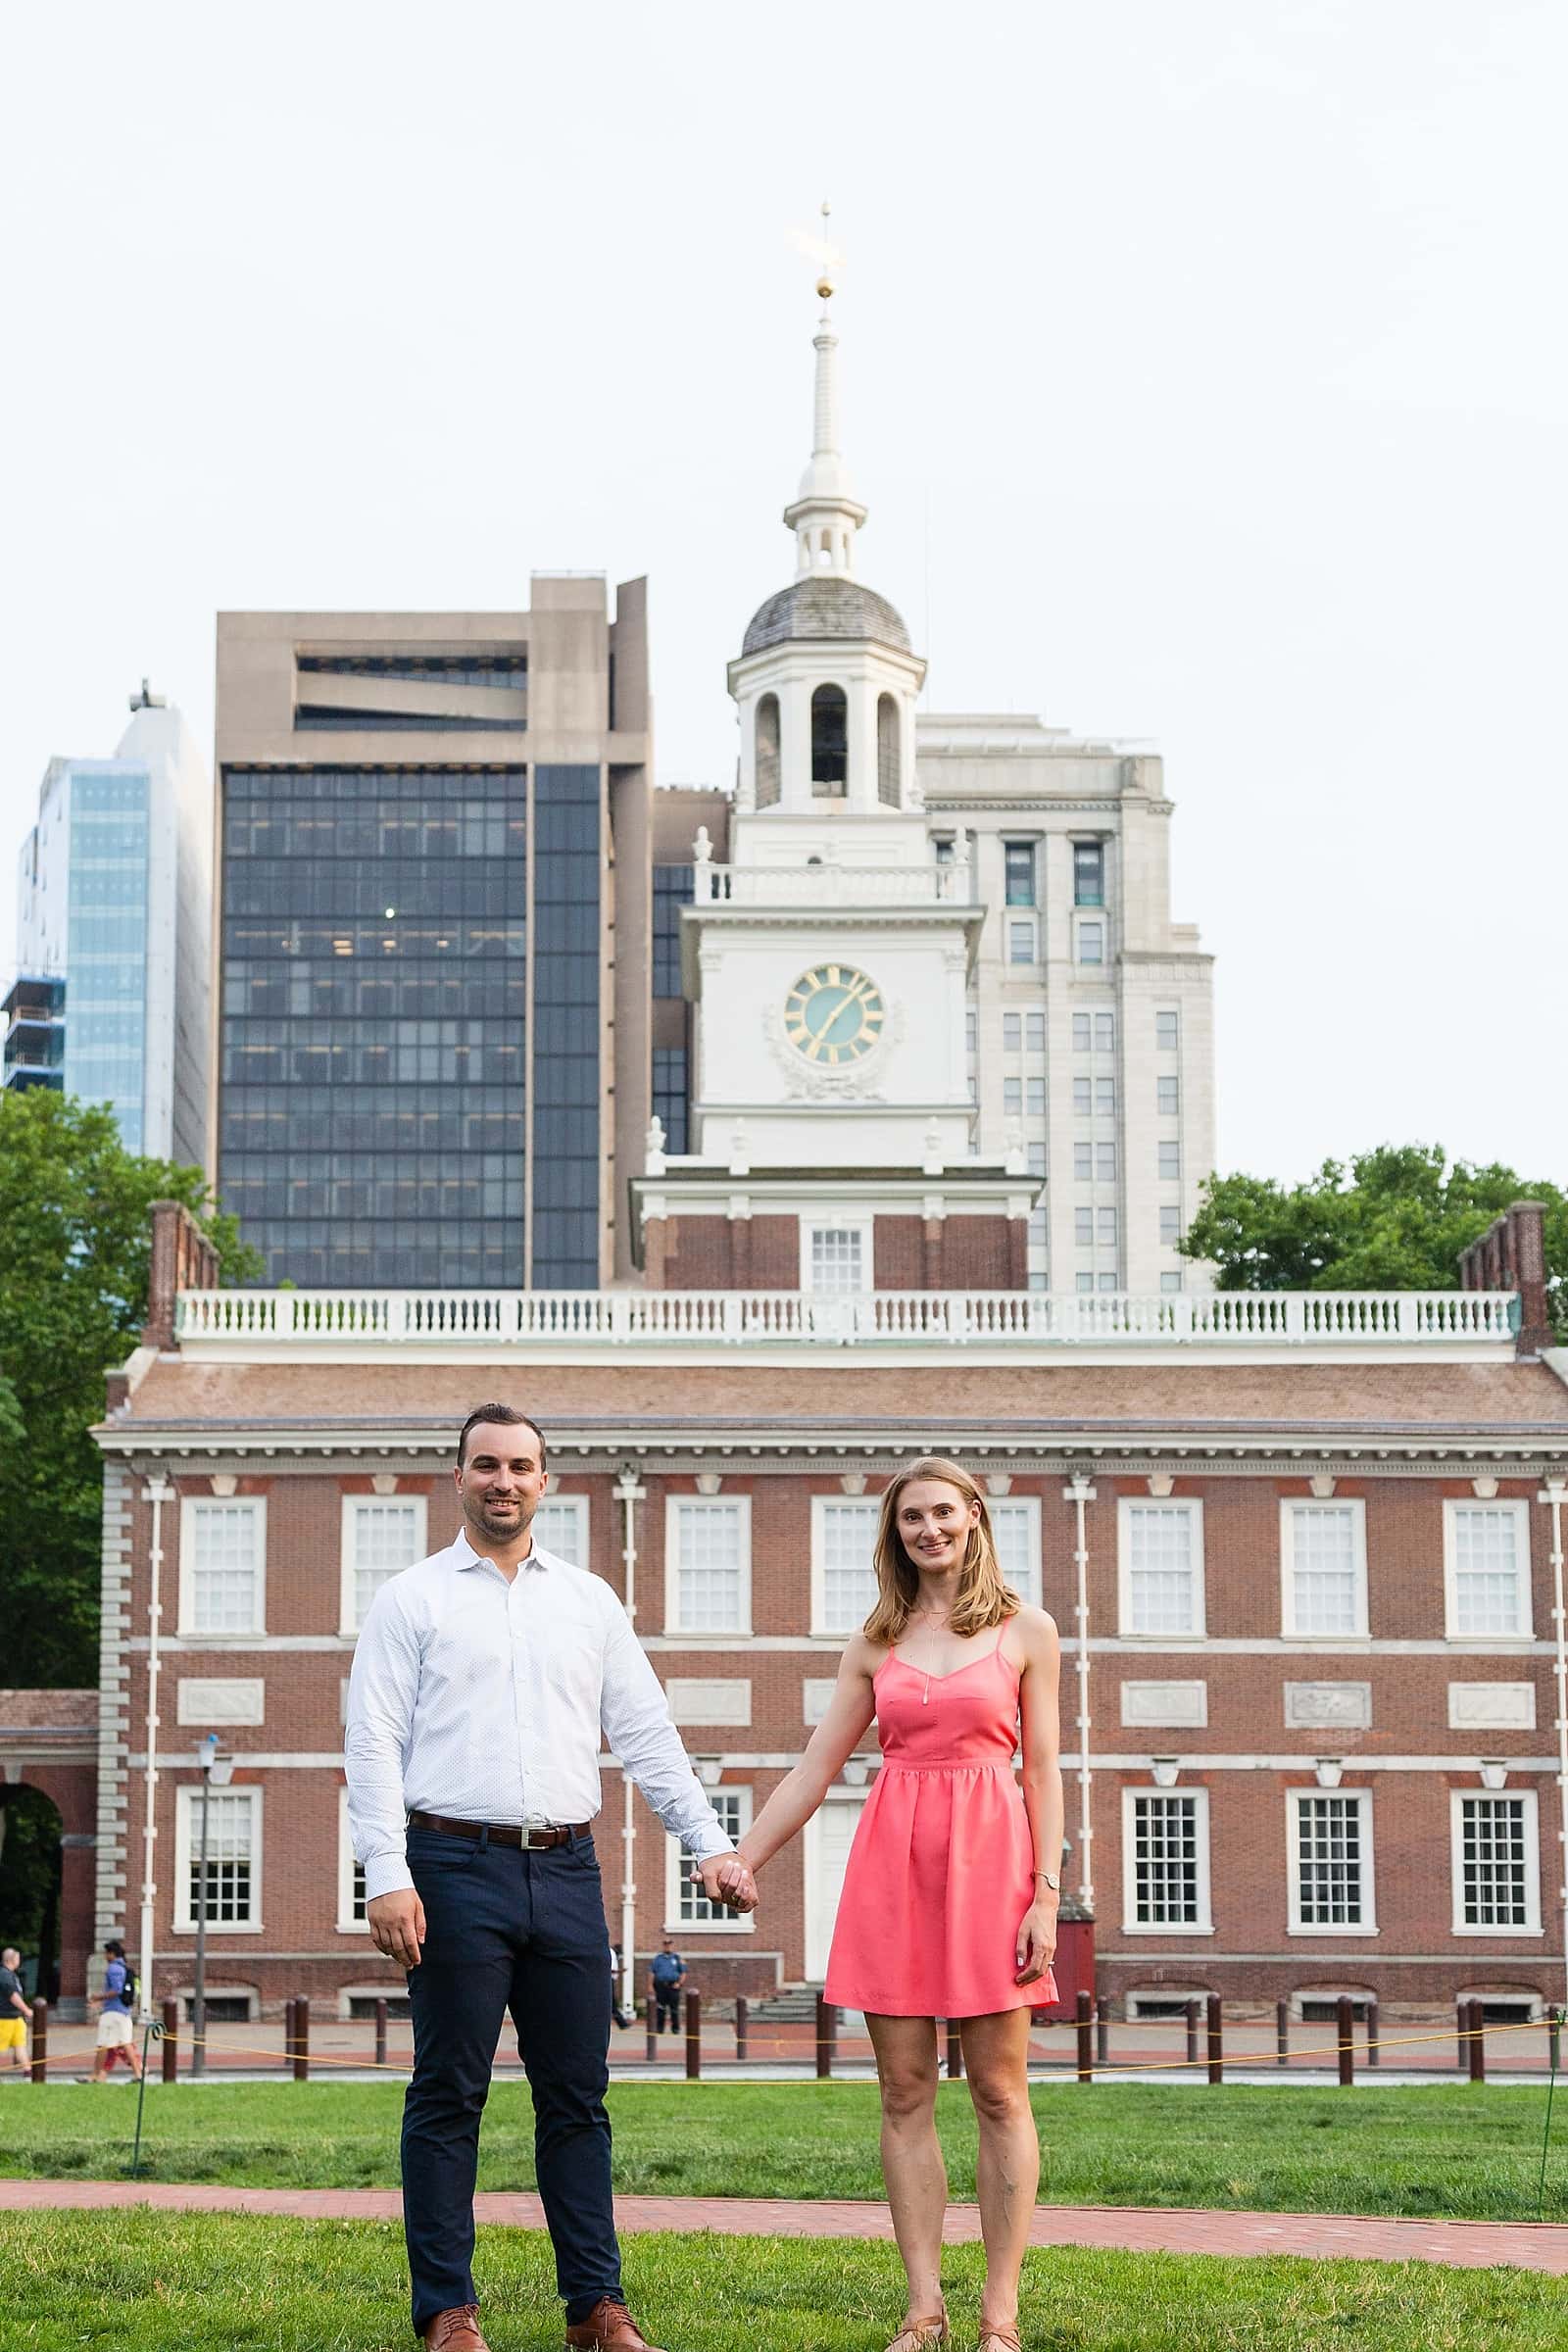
(949, 1908)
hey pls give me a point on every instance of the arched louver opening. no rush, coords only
(830, 744)
(768, 781)
(887, 750)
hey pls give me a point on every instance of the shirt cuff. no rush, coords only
(709, 1843)
(387, 1874)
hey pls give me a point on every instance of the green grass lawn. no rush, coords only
(163, 2282)
(1448, 2149)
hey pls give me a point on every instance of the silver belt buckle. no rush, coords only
(538, 1837)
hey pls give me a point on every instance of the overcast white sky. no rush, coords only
(1203, 372)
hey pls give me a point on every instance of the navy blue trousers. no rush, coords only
(525, 1932)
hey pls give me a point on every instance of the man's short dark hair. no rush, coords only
(115, 1947)
(508, 1417)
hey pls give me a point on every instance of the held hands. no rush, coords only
(1037, 1939)
(397, 1925)
(728, 1880)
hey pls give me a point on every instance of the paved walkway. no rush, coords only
(1143, 2229)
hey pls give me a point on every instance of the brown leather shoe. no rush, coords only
(456, 2330)
(609, 2328)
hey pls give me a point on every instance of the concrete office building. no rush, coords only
(113, 935)
(435, 902)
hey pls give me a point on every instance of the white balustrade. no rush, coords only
(830, 885)
(474, 1319)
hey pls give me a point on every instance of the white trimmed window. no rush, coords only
(1036, 1098)
(1105, 1163)
(1485, 1551)
(1037, 1160)
(1035, 1032)
(1497, 1865)
(1105, 1220)
(1168, 1096)
(233, 1861)
(1013, 1096)
(1161, 1568)
(1021, 939)
(1323, 1570)
(1105, 1032)
(1015, 1527)
(1083, 1228)
(560, 1526)
(1091, 943)
(1170, 1163)
(223, 1568)
(1330, 1860)
(1165, 1879)
(351, 1918)
(707, 1565)
(1170, 1224)
(1013, 1033)
(685, 1904)
(380, 1539)
(1167, 1032)
(836, 1258)
(1082, 1097)
(1083, 1164)
(1082, 1036)
(843, 1577)
(1170, 1282)
(1106, 1096)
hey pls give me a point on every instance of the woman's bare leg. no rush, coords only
(912, 2155)
(996, 2053)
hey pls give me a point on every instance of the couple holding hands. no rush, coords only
(483, 1683)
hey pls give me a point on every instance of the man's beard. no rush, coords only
(510, 1522)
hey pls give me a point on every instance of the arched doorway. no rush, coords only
(30, 1860)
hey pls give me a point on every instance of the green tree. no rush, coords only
(74, 1249)
(1395, 1220)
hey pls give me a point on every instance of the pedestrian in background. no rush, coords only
(16, 2013)
(117, 2036)
(669, 1977)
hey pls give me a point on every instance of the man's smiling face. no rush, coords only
(501, 1480)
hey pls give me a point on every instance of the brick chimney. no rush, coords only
(1511, 1255)
(182, 1259)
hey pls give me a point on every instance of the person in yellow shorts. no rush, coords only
(16, 2015)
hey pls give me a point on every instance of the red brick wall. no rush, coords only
(899, 1253)
(977, 1255)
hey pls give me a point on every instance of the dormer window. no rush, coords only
(830, 744)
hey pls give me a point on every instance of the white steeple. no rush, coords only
(825, 514)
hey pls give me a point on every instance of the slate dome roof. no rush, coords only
(825, 605)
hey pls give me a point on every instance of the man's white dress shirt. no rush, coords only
(485, 1701)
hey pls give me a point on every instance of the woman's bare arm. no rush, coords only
(848, 1717)
(1040, 1654)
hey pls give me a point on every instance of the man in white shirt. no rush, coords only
(482, 1681)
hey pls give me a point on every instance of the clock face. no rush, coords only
(834, 1014)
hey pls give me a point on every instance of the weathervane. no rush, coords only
(827, 256)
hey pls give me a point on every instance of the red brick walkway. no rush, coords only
(1144, 2229)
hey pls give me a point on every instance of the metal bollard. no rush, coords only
(1282, 2033)
(40, 2041)
(302, 2039)
(1555, 2040)
(1192, 2013)
(1374, 2035)
(1101, 2032)
(288, 2034)
(380, 2033)
(955, 2052)
(1216, 2052)
(650, 2022)
(827, 2019)
(694, 2038)
(1345, 2024)
(170, 2042)
(1477, 2043)
(742, 2020)
(1086, 2037)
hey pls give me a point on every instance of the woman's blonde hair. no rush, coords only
(984, 1599)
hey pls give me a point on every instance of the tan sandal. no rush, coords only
(999, 2339)
(921, 2335)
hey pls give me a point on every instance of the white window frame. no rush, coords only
(1083, 924)
(674, 1504)
(821, 1504)
(577, 1505)
(1013, 1033)
(1524, 1632)
(1532, 1826)
(1294, 1800)
(348, 1622)
(1163, 1013)
(1289, 1510)
(1034, 1033)
(1168, 1149)
(187, 1803)
(865, 1227)
(1165, 1085)
(1029, 1505)
(346, 1924)
(189, 1630)
(732, 1923)
(1130, 1924)
(1126, 1504)
(1016, 922)
(1083, 1033)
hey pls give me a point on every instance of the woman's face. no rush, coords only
(934, 1522)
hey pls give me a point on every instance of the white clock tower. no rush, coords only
(828, 963)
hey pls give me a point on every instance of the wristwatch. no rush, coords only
(1053, 1884)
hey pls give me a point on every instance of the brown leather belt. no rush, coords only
(535, 1841)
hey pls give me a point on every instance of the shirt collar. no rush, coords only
(468, 1557)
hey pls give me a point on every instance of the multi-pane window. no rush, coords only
(1083, 1227)
(380, 1539)
(220, 1587)
(1161, 1568)
(1106, 1219)
(1323, 1559)
(1166, 1032)
(1170, 1163)
(845, 1579)
(560, 1526)
(1082, 1033)
(1088, 873)
(351, 1899)
(1170, 1223)
(1013, 1033)
(1021, 940)
(838, 1257)
(1018, 862)
(1106, 1096)
(1085, 1282)
(1168, 1096)
(1012, 1096)
(709, 1575)
(1105, 1281)
(1331, 1860)
(1166, 1839)
(1489, 1569)
(1105, 1032)
(670, 1096)
(971, 1031)
(1083, 1162)
(690, 1906)
(674, 887)
(1037, 1160)
(1016, 1532)
(1035, 1032)
(1495, 1863)
(1092, 943)
(1036, 1097)
(1105, 1163)
(233, 1857)
(1083, 1095)
(1170, 1282)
